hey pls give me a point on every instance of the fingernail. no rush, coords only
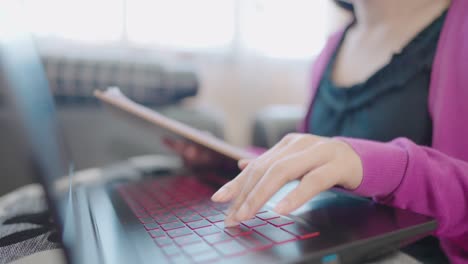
(282, 207)
(242, 163)
(221, 194)
(230, 223)
(243, 213)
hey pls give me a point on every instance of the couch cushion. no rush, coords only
(73, 79)
(274, 122)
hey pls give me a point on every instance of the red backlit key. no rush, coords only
(180, 258)
(201, 207)
(239, 230)
(230, 248)
(280, 221)
(156, 233)
(163, 241)
(209, 213)
(220, 225)
(254, 241)
(188, 239)
(165, 219)
(179, 232)
(141, 214)
(216, 218)
(301, 231)
(173, 225)
(198, 224)
(197, 248)
(151, 226)
(207, 256)
(191, 218)
(158, 211)
(267, 215)
(204, 231)
(171, 250)
(217, 238)
(251, 223)
(146, 220)
(184, 212)
(275, 234)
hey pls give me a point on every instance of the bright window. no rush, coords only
(284, 28)
(273, 28)
(182, 24)
(94, 21)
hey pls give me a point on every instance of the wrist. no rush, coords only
(383, 164)
(352, 176)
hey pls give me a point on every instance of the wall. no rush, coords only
(240, 89)
(241, 85)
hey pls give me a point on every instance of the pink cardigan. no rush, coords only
(432, 181)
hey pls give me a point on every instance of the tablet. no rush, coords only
(114, 98)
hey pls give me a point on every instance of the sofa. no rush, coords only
(272, 123)
(95, 137)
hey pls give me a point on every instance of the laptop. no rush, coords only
(169, 218)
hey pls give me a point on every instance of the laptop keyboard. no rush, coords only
(179, 216)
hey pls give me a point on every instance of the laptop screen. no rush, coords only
(24, 87)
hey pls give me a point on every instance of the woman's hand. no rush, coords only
(320, 163)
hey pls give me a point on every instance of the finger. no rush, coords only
(250, 175)
(170, 143)
(255, 171)
(230, 189)
(205, 156)
(167, 141)
(233, 188)
(242, 164)
(313, 183)
(227, 191)
(190, 152)
(287, 169)
(250, 180)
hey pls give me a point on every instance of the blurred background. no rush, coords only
(230, 67)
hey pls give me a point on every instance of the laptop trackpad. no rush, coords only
(307, 206)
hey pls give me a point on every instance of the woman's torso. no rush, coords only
(391, 103)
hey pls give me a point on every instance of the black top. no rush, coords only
(392, 103)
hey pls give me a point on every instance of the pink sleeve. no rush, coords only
(421, 179)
